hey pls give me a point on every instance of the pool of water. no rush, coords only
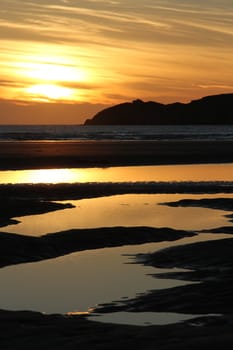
(123, 210)
(144, 318)
(81, 281)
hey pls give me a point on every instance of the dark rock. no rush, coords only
(217, 109)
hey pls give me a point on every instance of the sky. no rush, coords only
(61, 61)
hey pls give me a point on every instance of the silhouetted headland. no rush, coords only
(217, 109)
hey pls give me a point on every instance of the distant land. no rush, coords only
(216, 109)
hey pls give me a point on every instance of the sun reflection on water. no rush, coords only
(200, 172)
(46, 176)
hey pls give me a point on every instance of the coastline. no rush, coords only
(71, 154)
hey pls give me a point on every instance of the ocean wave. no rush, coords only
(124, 133)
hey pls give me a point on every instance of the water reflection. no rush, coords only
(200, 172)
(143, 318)
(123, 210)
(79, 281)
(71, 283)
(39, 176)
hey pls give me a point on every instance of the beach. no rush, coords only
(116, 175)
(67, 154)
(209, 266)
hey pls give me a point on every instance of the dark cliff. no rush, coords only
(217, 109)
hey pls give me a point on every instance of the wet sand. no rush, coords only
(15, 248)
(56, 192)
(59, 154)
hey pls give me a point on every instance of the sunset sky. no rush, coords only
(61, 61)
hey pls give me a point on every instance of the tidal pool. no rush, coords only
(123, 210)
(143, 318)
(81, 281)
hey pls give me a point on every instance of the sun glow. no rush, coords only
(53, 72)
(50, 91)
(51, 78)
(120, 174)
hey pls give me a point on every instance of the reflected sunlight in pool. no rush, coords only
(200, 172)
(123, 210)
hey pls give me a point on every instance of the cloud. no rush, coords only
(119, 97)
(11, 83)
(102, 22)
(126, 45)
(78, 85)
(216, 86)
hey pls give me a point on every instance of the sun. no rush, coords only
(50, 79)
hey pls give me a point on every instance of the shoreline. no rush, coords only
(75, 154)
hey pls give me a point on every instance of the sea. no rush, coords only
(116, 132)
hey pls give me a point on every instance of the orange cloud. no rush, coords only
(171, 50)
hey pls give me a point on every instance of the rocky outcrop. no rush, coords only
(217, 109)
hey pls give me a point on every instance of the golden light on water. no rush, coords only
(123, 210)
(45, 176)
(51, 176)
(171, 173)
